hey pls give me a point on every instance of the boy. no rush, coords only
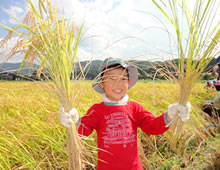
(116, 119)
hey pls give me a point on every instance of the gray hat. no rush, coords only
(132, 73)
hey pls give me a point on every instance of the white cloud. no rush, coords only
(4, 51)
(110, 23)
(14, 12)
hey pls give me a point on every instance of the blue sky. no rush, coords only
(8, 9)
(127, 29)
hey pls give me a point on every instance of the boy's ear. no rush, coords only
(101, 84)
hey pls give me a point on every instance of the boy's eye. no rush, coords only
(124, 78)
(118, 78)
(113, 78)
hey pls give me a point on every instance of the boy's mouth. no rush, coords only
(118, 91)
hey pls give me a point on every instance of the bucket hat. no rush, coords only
(132, 73)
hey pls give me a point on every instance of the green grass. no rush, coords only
(31, 136)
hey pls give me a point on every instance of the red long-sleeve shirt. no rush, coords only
(116, 127)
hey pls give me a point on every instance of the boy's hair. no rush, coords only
(111, 67)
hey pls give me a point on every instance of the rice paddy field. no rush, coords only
(31, 136)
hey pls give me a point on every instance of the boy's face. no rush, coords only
(115, 83)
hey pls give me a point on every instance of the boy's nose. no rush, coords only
(118, 82)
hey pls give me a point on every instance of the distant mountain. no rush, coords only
(91, 67)
(146, 69)
(14, 67)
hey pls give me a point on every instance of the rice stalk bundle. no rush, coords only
(197, 41)
(53, 43)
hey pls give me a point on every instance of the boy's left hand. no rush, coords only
(66, 118)
(182, 111)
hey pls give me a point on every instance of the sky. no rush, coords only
(128, 29)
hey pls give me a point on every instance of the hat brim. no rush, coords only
(133, 77)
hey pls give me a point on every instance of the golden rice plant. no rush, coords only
(53, 43)
(197, 40)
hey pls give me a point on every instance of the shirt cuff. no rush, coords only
(165, 118)
(78, 123)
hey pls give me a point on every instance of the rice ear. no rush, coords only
(48, 40)
(196, 49)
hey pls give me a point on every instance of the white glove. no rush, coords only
(66, 118)
(182, 111)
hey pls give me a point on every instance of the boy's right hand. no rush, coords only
(66, 118)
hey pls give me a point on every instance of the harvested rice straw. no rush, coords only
(53, 43)
(195, 49)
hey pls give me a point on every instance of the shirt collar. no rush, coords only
(107, 101)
